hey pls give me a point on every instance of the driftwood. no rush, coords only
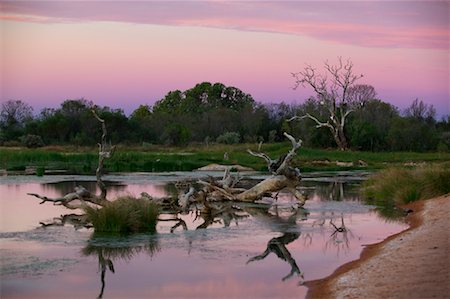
(73, 200)
(206, 197)
(284, 176)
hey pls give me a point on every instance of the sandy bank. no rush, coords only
(412, 264)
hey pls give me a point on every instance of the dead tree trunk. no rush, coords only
(105, 151)
(284, 176)
(81, 196)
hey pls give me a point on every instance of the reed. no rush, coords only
(124, 215)
(395, 186)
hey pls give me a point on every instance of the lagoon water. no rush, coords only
(260, 254)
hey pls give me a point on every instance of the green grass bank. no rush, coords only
(83, 160)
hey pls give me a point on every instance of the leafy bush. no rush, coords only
(229, 138)
(176, 134)
(32, 141)
(40, 171)
(124, 215)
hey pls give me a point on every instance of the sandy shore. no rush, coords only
(412, 264)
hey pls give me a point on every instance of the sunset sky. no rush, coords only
(123, 54)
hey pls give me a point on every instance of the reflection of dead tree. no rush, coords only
(103, 263)
(81, 196)
(285, 223)
(223, 214)
(106, 256)
(340, 229)
(278, 246)
(179, 222)
(340, 237)
(78, 221)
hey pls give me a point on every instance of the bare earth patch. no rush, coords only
(412, 264)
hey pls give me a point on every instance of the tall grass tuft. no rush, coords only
(399, 185)
(124, 215)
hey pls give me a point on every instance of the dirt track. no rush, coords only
(412, 264)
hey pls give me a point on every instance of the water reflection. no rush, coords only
(232, 250)
(279, 219)
(65, 187)
(223, 214)
(335, 190)
(278, 247)
(108, 250)
(284, 222)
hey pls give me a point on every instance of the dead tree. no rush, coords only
(81, 196)
(105, 151)
(284, 176)
(337, 93)
(210, 197)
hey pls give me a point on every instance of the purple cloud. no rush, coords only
(411, 24)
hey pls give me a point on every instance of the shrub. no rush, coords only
(124, 215)
(176, 134)
(229, 138)
(398, 186)
(442, 147)
(32, 141)
(40, 171)
(272, 136)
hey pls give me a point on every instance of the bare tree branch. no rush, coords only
(335, 94)
(105, 151)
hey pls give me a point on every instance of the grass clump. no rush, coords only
(394, 186)
(124, 215)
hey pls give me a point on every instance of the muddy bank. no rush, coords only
(412, 264)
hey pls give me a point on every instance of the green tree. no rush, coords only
(14, 115)
(176, 134)
(207, 110)
(369, 126)
(141, 125)
(416, 131)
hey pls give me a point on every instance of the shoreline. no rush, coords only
(411, 264)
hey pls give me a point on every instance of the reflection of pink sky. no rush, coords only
(20, 211)
(197, 264)
(124, 55)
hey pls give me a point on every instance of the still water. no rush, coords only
(255, 253)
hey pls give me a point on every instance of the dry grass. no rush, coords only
(400, 185)
(124, 215)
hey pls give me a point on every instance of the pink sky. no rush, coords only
(123, 54)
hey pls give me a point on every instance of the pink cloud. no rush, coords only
(113, 54)
(371, 24)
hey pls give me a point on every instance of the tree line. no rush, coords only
(209, 113)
